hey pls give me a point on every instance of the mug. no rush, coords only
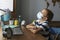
(11, 22)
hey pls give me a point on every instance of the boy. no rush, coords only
(44, 17)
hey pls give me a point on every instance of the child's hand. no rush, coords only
(34, 28)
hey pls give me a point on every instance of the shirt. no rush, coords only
(43, 25)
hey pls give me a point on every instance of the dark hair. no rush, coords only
(49, 15)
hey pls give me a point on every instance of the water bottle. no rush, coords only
(19, 19)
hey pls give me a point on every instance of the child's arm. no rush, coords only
(40, 27)
(30, 26)
(35, 30)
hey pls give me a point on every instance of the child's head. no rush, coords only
(47, 14)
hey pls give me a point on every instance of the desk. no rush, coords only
(28, 35)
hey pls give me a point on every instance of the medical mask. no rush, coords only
(39, 15)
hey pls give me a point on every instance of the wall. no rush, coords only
(35, 6)
(29, 8)
(22, 7)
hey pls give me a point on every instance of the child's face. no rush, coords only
(44, 12)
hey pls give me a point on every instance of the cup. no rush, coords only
(11, 22)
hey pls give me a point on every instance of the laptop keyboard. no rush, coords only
(17, 31)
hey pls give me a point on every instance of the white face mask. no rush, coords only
(39, 15)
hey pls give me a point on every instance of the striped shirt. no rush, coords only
(43, 25)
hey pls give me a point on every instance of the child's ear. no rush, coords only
(46, 18)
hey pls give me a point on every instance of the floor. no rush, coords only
(1, 37)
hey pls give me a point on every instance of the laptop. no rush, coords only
(17, 31)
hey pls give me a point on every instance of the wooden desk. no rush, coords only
(28, 36)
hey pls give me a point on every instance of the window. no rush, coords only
(4, 4)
